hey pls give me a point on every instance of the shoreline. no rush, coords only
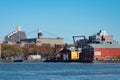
(65, 61)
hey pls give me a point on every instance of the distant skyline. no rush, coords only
(62, 18)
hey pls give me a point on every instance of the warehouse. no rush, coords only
(101, 52)
(105, 51)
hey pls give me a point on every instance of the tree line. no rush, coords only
(8, 50)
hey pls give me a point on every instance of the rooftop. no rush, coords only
(105, 45)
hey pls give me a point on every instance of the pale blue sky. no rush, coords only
(64, 18)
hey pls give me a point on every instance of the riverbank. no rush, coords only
(64, 61)
(107, 61)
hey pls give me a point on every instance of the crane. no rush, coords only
(74, 40)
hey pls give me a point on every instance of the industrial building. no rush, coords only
(100, 46)
(19, 36)
(15, 36)
(43, 41)
(105, 52)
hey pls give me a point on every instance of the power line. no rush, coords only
(34, 31)
(50, 33)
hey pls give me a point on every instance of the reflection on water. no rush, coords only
(59, 71)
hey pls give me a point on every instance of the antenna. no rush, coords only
(39, 30)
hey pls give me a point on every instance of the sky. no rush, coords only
(60, 18)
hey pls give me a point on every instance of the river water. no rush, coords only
(59, 71)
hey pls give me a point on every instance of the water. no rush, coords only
(59, 71)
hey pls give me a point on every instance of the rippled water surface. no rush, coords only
(59, 71)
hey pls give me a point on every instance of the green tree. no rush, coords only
(8, 50)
